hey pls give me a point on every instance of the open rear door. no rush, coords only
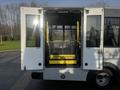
(93, 38)
(32, 42)
(63, 38)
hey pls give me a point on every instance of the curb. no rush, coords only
(10, 50)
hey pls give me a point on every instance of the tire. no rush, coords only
(104, 78)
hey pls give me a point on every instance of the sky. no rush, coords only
(74, 3)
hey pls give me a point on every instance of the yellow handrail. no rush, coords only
(47, 32)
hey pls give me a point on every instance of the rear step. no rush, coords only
(37, 75)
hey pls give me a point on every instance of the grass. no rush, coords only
(10, 45)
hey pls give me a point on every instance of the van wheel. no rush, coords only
(104, 78)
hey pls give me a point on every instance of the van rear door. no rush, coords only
(32, 42)
(93, 38)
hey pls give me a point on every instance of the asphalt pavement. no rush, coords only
(12, 78)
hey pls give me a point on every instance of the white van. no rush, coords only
(75, 44)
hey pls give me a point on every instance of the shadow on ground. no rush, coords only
(65, 85)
